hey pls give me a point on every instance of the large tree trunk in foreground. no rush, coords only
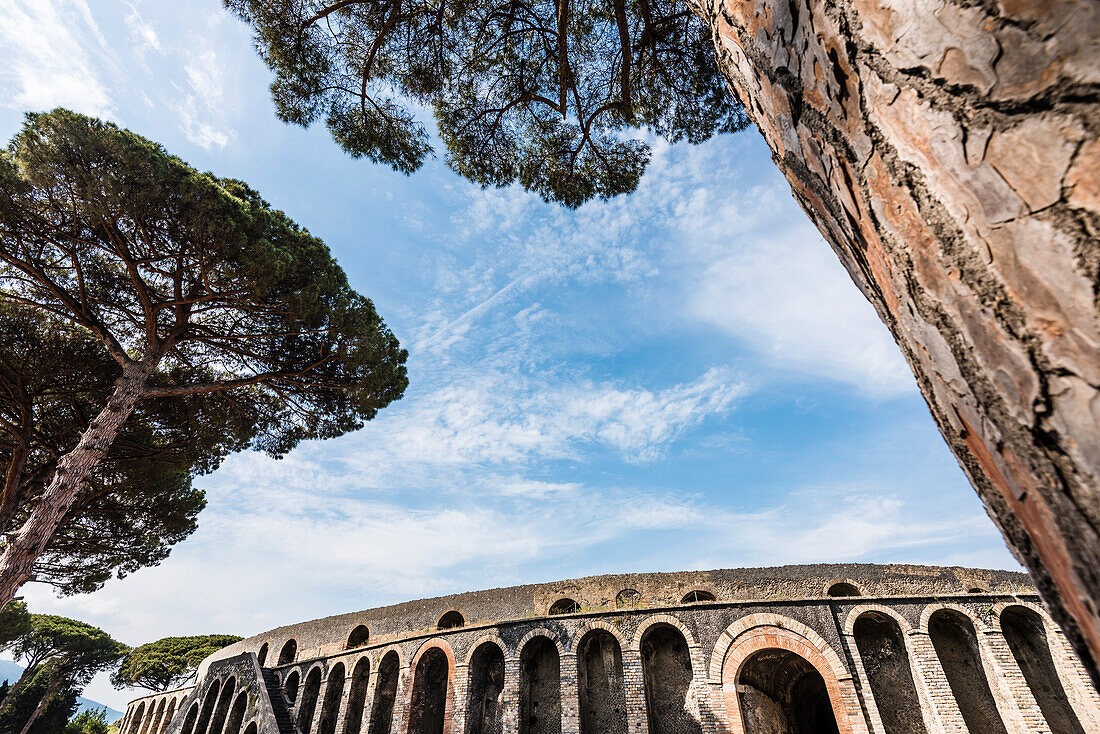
(948, 151)
(23, 549)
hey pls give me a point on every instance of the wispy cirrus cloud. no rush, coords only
(54, 55)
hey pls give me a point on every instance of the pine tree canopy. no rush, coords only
(81, 649)
(539, 93)
(167, 663)
(154, 318)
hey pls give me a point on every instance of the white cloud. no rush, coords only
(710, 236)
(54, 56)
(143, 37)
(786, 295)
(201, 110)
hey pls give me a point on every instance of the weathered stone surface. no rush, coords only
(947, 150)
(847, 648)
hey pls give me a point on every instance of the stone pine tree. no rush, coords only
(61, 656)
(192, 285)
(139, 500)
(167, 663)
(947, 150)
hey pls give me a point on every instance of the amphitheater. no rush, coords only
(837, 649)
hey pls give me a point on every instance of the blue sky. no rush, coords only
(684, 378)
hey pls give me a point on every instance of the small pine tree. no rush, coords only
(88, 722)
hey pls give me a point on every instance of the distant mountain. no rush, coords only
(10, 672)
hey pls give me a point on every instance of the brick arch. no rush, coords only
(759, 632)
(382, 652)
(452, 671)
(599, 624)
(1000, 607)
(926, 614)
(668, 619)
(456, 610)
(857, 612)
(860, 587)
(767, 619)
(481, 641)
(514, 655)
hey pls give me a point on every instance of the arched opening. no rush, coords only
(627, 599)
(451, 620)
(291, 687)
(139, 715)
(358, 637)
(886, 661)
(540, 688)
(236, 715)
(564, 606)
(208, 705)
(671, 706)
(311, 689)
(956, 645)
(977, 590)
(168, 715)
(485, 700)
(1027, 638)
(251, 728)
(385, 693)
(429, 695)
(157, 719)
(697, 595)
(843, 588)
(330, 707)
(781, 691)
(189, 721)
(217, 723)
(289, 652)
(261, 656)
(357, 696)
(600, 680)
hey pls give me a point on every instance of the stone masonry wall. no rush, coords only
(719, 636)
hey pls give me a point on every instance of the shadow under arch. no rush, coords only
(769, 632)
(1025, 633)
(779, 690)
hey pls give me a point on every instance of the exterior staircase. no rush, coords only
(278, 704)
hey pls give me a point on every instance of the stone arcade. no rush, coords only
(824, 649)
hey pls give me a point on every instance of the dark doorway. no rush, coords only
(666, 670)
(484, 702)
(600, 679)
(311, 689)
(385, 693)
(1027, 638)
(886, 661)
(956, 646)
(357, 697)
(429, 696)
(780, 691)
(540, 688)
(330, 708)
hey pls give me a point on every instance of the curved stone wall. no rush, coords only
(773, 652)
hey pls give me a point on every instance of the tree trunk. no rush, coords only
(23, 549)
(948, 151)
(44, 701)
(24, 678)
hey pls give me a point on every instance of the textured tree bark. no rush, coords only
(24, 547)
(948, 151)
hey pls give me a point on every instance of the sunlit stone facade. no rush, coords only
(851, 649)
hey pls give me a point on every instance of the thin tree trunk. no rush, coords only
(9, 699)
(44, 701)
(948, 151)
(24, 548)
(13, 484)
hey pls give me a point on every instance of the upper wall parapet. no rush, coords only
(331, 634)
